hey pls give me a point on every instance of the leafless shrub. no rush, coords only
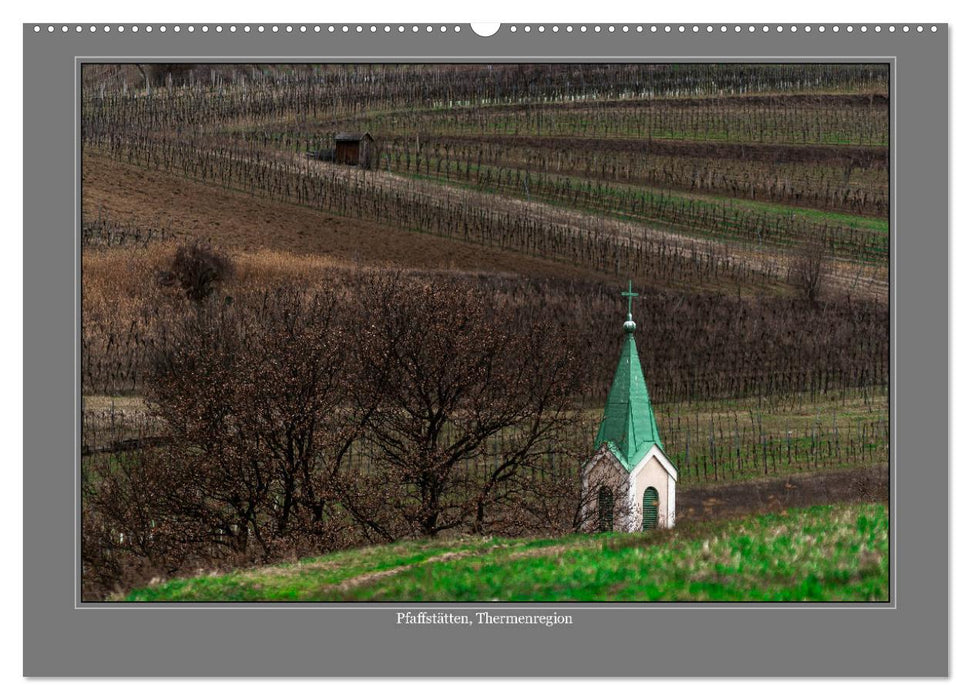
(198, 269)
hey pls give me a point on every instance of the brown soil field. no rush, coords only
(729, 500)
(245, 223)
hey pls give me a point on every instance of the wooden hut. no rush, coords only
(353, 149)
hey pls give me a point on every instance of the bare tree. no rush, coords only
(462, 404)
(255, 404)
(807, 270)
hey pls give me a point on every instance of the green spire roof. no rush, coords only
(628, 426)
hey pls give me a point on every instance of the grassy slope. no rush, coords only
(837, 552)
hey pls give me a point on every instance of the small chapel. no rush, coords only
(629, 482)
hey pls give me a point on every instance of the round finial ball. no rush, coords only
(630, 326)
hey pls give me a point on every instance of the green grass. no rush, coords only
(836, 552)
(313, 578)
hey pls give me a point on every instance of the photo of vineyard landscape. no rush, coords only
(486, 332)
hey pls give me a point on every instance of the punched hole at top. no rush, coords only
(485, 28)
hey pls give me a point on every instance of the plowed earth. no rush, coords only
(239, 221)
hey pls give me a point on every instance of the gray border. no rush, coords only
(63, 639)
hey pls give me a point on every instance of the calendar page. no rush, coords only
(549, 350)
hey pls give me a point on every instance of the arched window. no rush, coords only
(605, 503)
(651, 502)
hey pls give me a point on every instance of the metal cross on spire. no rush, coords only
(630, 294)
(629, 325)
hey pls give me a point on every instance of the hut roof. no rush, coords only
(352, 136)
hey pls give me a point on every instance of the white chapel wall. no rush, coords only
(604, 470)
(652, 473)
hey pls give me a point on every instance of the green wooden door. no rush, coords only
(651, 502)
(605, 506)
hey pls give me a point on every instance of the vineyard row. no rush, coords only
(728, 447)
(199, 95)
(454, 214)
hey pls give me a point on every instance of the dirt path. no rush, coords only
(373, 576)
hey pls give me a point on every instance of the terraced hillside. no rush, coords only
(749, 205)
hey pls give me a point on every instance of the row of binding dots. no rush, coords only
(414, 28)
